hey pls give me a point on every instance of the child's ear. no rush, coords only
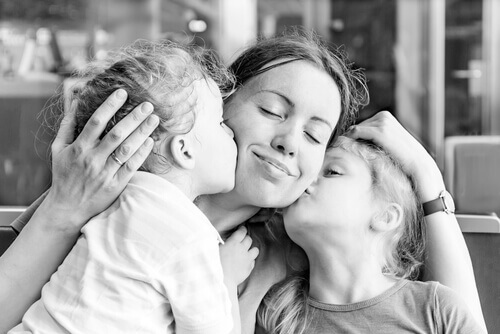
(388, 219)
(182, 151)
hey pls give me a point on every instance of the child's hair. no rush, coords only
(285, 308)
(161, 73)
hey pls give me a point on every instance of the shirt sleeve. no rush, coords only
(453, 314)
(193, 283)
(24, 218)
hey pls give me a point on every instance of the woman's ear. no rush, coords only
(388, 219)
(182, 151)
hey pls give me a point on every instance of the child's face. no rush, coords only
(340, 200)
(216, 153)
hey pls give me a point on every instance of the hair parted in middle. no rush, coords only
(297, 44)
(162, 73)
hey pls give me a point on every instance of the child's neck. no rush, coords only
(182, 181)
(225, 211)
(343, 276)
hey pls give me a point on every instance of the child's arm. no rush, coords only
(238, 260)
(448, 260)
(453, 315)
(83, 185)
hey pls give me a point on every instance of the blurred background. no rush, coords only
(434, 64)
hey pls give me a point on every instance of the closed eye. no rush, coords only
(270, 113)
(312, 138)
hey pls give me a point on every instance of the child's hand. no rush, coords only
(238, 257)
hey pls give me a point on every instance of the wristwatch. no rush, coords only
(443, 203)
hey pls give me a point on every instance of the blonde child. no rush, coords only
(361, 227)
(150, 263)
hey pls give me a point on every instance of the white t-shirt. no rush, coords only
(148, 264)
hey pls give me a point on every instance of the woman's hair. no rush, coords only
(299, 44)
(162, 73)
(285, 308)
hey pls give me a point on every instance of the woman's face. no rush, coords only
(282, 120)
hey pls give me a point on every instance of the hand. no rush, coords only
(86, 179)
(238, 256)
(384, 130)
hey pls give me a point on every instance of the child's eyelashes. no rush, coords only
(332, 172)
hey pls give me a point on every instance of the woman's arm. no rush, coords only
(85, 182)
(448, 260)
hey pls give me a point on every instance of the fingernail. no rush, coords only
(152, 120)
(147, 108)
(121, 94)
(149, 142)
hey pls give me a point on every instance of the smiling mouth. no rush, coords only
(276, 164)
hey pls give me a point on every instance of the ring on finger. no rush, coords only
(115, 158)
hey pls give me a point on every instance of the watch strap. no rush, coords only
(436, 205)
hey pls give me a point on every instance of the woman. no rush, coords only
(293, 97)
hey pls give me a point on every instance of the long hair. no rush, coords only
(285, 309)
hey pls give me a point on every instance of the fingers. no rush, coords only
(254, 252)
(97, 123)
(238, 235)
(373, 128)
(133, 128)
(128, 169)
(130, 145)
(65, 135)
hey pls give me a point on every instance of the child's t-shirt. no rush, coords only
(148, 264)
(408, 307)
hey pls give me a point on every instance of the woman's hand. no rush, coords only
(86, 177)
(86, 180)
(384, 130)
(447, 258)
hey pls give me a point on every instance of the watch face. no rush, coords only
(448, 202)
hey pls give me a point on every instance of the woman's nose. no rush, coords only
(287, 142)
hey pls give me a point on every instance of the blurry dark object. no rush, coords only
(40, 12)
(7, 236)
(24, 143)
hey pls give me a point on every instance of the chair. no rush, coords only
(472, 165)
(7, 234)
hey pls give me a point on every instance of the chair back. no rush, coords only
(472, 170)
(472, 166)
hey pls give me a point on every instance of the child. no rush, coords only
(361, 228)
(150, 263)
